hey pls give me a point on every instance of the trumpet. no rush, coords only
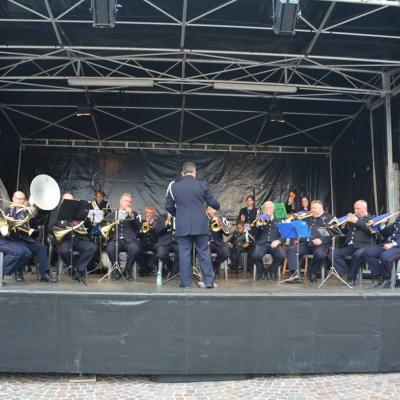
(60, 233)
(146, 227)
(300, 215)
(218, 224)
(373, 224)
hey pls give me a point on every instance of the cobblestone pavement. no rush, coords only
(292, 387)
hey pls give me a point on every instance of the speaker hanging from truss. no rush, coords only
(285, 15)
(104, 13)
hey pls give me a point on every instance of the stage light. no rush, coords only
(84, 110)
(257, 87)
(275, 113)
(285, 16)
(104, 12)
(109, 81)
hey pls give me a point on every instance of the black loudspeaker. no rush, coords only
(104, 12)
(285, 17)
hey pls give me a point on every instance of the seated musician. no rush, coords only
(358, 238)
(249, 213)
(217, 244)
(127, 235)
(25, 238)
(380, 258)
(147, 238)
(304, 204)
(15, 257)
(268, 241)
(238, 243)
(290, 203)
(79, 243)
(166, 244)
(99, 202)
(317, 245)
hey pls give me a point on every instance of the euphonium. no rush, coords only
(107, 226)
(60, 233)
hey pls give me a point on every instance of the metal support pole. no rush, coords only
(1, 268)
(371, 127)
(390, 195)
(19, 166)
(331, 182)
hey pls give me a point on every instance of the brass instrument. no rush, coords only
(107, 227)
(338, 222)
(261, 220)
(218, 224)
(373, 224)
(60, 233)
(301, 215)
(146, 227)
(9, 224)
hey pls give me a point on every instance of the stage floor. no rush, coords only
(235, 285)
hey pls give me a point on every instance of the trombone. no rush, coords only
(300, 215)
(338, 222)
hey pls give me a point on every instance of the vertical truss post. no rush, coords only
(371, 128)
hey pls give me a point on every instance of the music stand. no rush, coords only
(294, 230)
(333, 232)
(73, 210)
(96, 216)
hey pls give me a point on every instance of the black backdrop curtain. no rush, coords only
(146, 174)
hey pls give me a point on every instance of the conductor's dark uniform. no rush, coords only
(186, 200)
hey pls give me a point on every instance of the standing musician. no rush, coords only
(99, 202)
(268, 241)
(81, 244)
(358, 238)
(238, 243)
(317, 245)
(148, 238)
(217, 244)
(381, 257)
(24, 238)
(186, 199)
(128, 230)
(166, 243)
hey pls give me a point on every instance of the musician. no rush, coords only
(217, 244)
(15, 257)
(304, 204)
(358, 238)
(128, 230)
(79, 243)
(290, 203)
(249, 213)
(238, 243)
(166, 244)
(99, 202)
(317, 245)
(268, 241)
(147, 241)
(185, 199)
(381, 257)
(25, 239)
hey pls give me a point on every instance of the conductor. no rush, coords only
(187, 199)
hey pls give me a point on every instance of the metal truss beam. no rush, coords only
(157, 146)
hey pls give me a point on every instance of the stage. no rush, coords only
(242, 327)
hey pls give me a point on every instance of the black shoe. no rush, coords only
(46, 278)
(384, 285)
(210, 286)
(115, 275)
(128, 275)
(313, 277)
(258, 276)
(29, 269)
(19, 277)
(351, 282)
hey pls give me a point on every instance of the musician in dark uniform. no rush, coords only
(358, 238)
(100, 203)
(268, 241)
(128, 232)
(381, 257)
(166, 244)
(186, 200)
(26, 239)
(238, 243)
(147, 240)
(217, 244)
(15, 256)
(80, 243)
(317, 245)
(249, 213)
